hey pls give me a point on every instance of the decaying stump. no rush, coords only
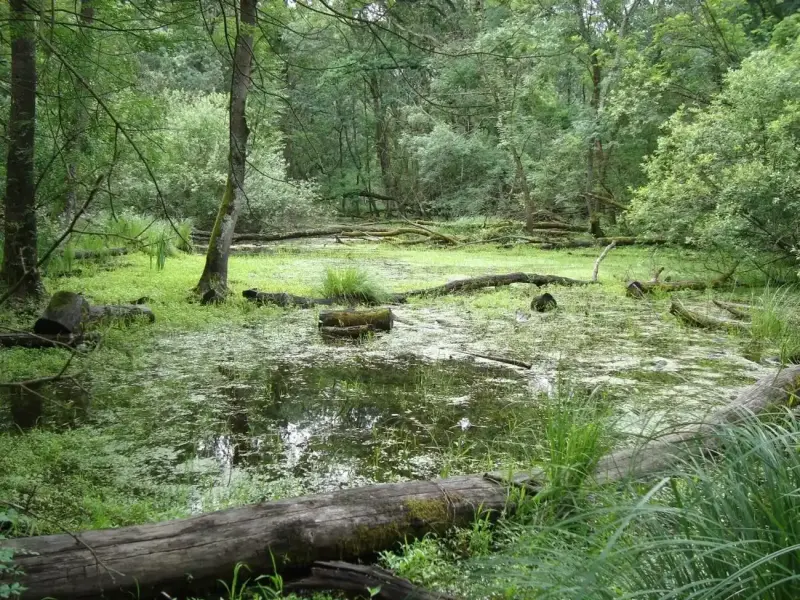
(355, 331)
(354, 580)
(65, 314)
(381, 319)
(544, 303)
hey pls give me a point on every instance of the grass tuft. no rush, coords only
(351, 285)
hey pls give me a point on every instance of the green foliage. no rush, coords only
(728, 176)
(10, 587)
(717, 527)
(774, 322)
(351, 285)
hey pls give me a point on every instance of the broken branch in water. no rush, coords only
(639, 288)
(500, 359)
(740, 311)
(704, 321)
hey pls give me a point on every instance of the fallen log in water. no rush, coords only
(740, 311)
(484, 281)
(174, 555)
(337, 230)
(283, 299)
(354, 580)
(704, 321)
(106, 313)
(381, 319)
(638, 288)
(352, 332)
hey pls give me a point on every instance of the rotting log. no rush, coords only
(91, 254)
(704, 321)
(65, 314)
(484, 281)
(340, 230)
(639, 288)
(174, 556)
(381, 319)
(126, 313)
(345, 524)
(740, 311)
(35, 340)
(354, 580)
(352, 332)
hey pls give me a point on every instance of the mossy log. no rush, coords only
(640, 288)
(179, 557)
(354, 332)
(381, 319)
(338, 230)
(696, 319)
(476, 283)
(602, 241)
(34, 340)
(65, 314)
(353, 581)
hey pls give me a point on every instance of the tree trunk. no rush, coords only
(522, 177)
(215, 273)
(594, 153)
(382, 145)
(76, 138)
(20, 254)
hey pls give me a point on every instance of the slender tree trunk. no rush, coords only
(76, 138)
(20, 254)
(215, 273)
(522, 177)
(382, 144)
(594, 153)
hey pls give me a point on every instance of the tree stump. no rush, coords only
(64, 315)
(381, 319)
(544, 303)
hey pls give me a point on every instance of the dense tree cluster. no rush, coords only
(672, 116)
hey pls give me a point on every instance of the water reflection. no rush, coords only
(59, 404)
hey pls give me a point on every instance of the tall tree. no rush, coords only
(214, 280)
(20, 255)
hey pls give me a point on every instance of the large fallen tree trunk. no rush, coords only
(174, 555)
(345, 231)
(354, 580)
(476, 283)
(638, 288)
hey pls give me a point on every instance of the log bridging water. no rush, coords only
(344, 524)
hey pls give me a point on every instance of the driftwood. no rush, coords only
(65, 314)
(90, 254)
(476, 283)
(740, 311)
(35, 340)
(344, 524)
(355, 580)
(639, 288)
(381, 319)
(353, 332)
(704, 321)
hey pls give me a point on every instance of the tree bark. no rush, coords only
(20, 253)
(382, 141)
(76, 137)
(215, 274)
